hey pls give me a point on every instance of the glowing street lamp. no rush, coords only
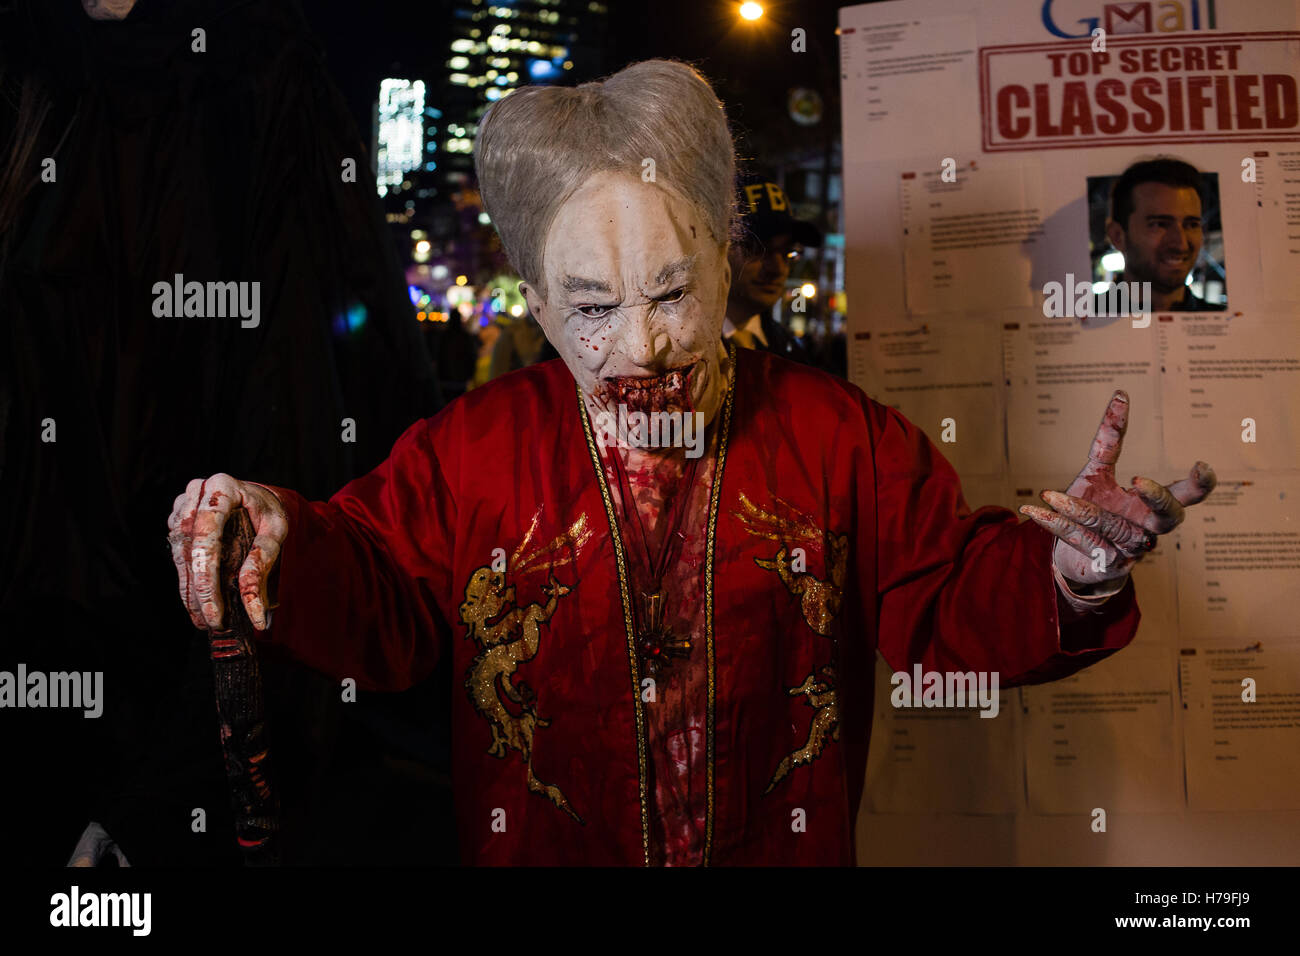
(751, 11)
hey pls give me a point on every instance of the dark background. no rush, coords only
(160, 158)
(750, 64)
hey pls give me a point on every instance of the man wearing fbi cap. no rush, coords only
(772, 241)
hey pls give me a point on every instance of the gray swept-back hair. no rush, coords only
(540, 144)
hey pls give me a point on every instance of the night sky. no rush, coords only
(751, 65)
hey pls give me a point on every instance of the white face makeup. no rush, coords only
(636, 291)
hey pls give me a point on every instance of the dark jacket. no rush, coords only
(781, 341)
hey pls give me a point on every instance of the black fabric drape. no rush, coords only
(224, 166)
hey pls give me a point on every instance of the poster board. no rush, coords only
(956, 229)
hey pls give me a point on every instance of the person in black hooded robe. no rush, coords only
(221, 165)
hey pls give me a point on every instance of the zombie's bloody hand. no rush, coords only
(1104, 529)
(195, 527)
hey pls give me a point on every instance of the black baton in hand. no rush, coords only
(238, 684)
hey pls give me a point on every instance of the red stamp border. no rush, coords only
(1145, 39)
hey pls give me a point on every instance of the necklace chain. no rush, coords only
(673, 536)
(657, 644)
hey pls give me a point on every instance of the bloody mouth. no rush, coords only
(669, 392)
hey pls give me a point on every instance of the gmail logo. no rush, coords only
(1128, 18)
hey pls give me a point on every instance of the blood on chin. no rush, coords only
(667, 392)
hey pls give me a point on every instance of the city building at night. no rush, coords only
(494, 48)
(424, 131)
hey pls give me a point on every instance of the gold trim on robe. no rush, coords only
(723, 437)
(633, 658)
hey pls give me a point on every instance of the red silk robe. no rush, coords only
(551, 755)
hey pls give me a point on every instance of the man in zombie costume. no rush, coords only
(663, 652)
(221, 164)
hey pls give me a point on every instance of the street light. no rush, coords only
(751, 11)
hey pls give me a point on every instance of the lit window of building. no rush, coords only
(401, 131)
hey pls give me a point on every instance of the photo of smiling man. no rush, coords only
(1162, 220)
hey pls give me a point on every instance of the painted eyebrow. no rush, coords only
(582, 284)
(675, 269)
(679, 268)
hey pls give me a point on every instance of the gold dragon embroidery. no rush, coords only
(826, 720)
(508, 636)
(819, 600)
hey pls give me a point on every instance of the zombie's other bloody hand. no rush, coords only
(1104, 529)
(195, 532)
